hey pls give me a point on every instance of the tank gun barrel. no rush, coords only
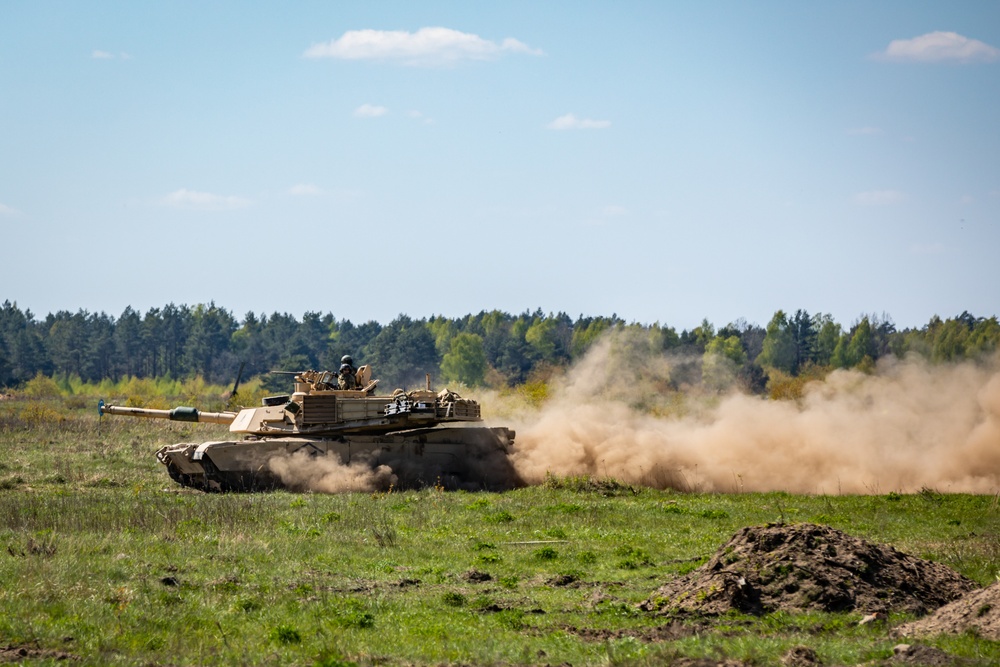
(178, 414)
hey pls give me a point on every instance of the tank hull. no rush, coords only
(473, 458)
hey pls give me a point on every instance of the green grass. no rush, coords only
(102, 556)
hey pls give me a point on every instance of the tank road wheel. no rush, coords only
(214, 481)
(178, 476)
(217, 481)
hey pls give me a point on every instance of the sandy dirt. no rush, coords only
(32, 652)
(978, 611)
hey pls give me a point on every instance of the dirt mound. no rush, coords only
(979, 611)
(32, 652)
(800, 567)
(800, 656)
(923, 656)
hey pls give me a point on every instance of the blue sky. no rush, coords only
(663, 161)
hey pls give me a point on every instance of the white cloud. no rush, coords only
(203, 201)
(879, 197)
(614, 211)
(370, 111)
(7, 210)
(571, 122)
(939, 47)
(426, 46)
(965, 200)
(304, 190)
(864, 131)
(98, 54)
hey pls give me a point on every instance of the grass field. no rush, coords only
(103, 558)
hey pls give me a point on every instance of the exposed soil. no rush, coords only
(670, 632)
(31, 652)
(800, 656)
(924, 656)
(564, 580)
(475, 576)
(806, 567)
(978, 611)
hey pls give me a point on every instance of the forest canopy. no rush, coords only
(490, 348)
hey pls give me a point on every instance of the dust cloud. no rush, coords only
(302, 472)
(907, 426)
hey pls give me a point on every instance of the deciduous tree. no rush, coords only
(465, 360)
(779, 349)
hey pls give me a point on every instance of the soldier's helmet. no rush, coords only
(346, 359)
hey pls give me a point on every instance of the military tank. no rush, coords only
(406, 439)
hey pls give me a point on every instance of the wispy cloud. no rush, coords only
(203, 201)
(614, 211)
(416, 115)
(879, 197)
(939, 47)
(8, 211)
(864, 131)
(304, 190)
(427, 46)
(571, 122)
(98, 54)
(370, 111)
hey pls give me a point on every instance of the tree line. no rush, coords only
(491, 347)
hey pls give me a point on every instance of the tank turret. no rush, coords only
(422, 436)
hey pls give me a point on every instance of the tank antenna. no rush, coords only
(236, 385)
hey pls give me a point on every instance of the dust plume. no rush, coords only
(909, 425)
(327, 474)
(472, 460)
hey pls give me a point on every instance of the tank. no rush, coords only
(407, 439)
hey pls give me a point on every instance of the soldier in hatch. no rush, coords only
(346, 378)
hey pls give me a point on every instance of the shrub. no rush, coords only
(352, 613)
(41, 387)
(286, 634)
(633, 558)
(546, 553)
(535, 393)
(453, 599)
